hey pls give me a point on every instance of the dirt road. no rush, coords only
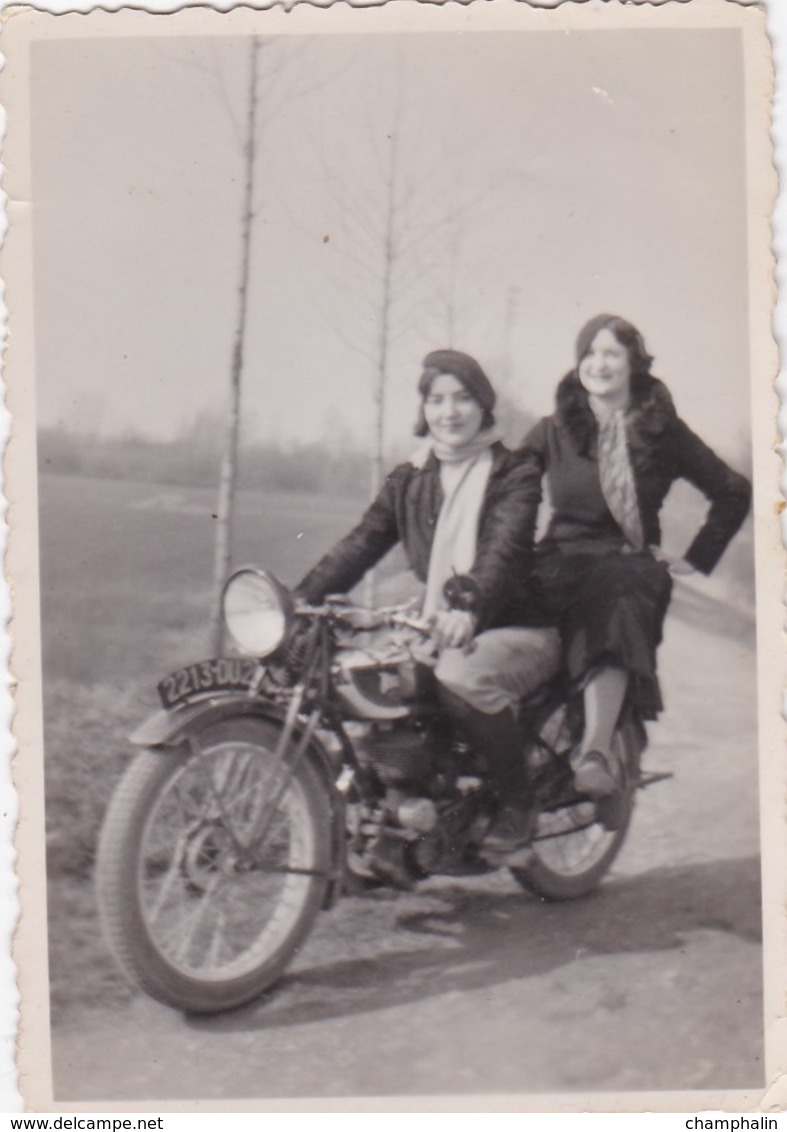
(473, 986)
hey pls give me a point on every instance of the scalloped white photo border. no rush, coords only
(769, 589)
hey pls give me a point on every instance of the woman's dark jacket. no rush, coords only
(406, 511)
(662, 449)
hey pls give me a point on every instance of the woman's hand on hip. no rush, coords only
(453, 629)
(678, 567)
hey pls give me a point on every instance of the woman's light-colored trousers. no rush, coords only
(502, 666)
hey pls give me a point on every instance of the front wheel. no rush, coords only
(205, 888)
(572, 851)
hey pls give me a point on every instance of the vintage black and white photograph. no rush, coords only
(395, 393)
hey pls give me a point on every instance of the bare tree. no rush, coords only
(229, 462)
(390, 243)
(451, 282)
(263, 100)
(397, 224)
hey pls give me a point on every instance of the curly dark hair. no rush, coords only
(650, 403)
(625, 332)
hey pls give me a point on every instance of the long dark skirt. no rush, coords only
(610, 610)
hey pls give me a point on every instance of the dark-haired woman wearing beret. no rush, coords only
(611, 451)
(465, 512)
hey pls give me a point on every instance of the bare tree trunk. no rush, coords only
(451, 301)
(383, 343)
(385, 332)
(229, 463)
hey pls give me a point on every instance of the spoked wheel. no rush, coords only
(572, 850)
(207, 881)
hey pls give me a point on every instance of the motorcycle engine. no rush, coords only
(379, 691)
(401, 753)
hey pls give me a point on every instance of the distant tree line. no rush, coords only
(335, 467)
(195, 460)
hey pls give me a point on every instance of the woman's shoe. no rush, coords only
(596, 775)
(602, 778)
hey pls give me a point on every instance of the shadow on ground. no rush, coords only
(474, 939)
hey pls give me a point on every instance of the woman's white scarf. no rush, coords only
(464, 474)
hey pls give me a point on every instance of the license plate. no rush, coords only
(221, 674)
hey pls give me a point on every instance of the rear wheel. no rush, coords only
(205, 888)
(572, 850)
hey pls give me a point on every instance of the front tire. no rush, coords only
(201, 909)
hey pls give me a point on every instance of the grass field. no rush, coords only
(126, 575)
(125, 579)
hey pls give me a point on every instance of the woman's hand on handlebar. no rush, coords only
(453, 629)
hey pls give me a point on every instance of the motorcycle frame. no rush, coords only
(171, 730)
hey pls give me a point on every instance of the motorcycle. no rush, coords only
(313, 760)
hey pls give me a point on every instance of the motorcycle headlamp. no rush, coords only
(257, 611)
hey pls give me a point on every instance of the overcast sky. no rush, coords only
(541, 177)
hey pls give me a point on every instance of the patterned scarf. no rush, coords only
(616, 475)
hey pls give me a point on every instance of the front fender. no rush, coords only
(166, 730)
(171, 728)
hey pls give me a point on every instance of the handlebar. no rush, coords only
(341, 611)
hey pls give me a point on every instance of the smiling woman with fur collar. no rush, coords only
(611, 451)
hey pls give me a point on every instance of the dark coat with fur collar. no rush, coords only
(406, 511)
(662, 449)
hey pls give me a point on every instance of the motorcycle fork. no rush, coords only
(283, 770)
(284, 767)
(316, 670)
